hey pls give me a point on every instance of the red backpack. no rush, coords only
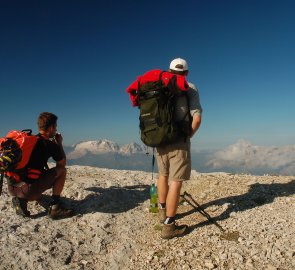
(15, 152)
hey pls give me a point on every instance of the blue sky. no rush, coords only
(76, 58)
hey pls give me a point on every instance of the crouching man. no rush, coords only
(38, 177)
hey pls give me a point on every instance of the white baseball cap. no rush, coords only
(178, 64)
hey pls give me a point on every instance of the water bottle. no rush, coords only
(153, 199)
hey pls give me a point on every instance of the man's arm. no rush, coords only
(195, 107)
(197, 119)
(58, 139)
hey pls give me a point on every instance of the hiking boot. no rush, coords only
(20, 205)
(171, 230)
(58, 211)
(162, 215)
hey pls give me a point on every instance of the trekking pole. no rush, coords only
(1, 182)
(153, 163)
(147, 155)
(200, 209)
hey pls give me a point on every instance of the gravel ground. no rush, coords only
(235, 222)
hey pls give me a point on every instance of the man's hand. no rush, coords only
(58, 138)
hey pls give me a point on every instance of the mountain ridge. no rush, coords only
(104, 146)
(240, 157)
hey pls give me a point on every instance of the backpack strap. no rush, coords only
(43, 140)
(161, 75)
(28, 131)
(149, 94)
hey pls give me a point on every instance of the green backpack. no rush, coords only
(157, 125)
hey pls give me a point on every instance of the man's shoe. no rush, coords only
(58, 211)
(20, 205)
(162, 215)
(171, 230)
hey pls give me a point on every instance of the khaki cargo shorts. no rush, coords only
(174, 160)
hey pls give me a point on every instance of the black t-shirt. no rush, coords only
(43, 150)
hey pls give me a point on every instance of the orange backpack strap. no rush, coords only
(33, 174)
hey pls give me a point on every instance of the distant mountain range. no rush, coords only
(103, 147)
(241, 157)
(108, 154)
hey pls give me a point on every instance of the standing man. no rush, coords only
(38, 177)
(174, 160)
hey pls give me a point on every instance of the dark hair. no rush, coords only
(178, 72)
(45, 120)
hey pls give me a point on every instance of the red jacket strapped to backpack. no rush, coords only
(154, 75)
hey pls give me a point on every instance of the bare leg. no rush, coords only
(173, 198)
(162, 188)
(57, 210)
(170, 229)
(169, 194)
(58, 185)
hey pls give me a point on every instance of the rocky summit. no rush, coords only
(235, 222)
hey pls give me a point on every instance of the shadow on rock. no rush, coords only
(112, 200)
(105, 200)
(45, 201)
(257, 195)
